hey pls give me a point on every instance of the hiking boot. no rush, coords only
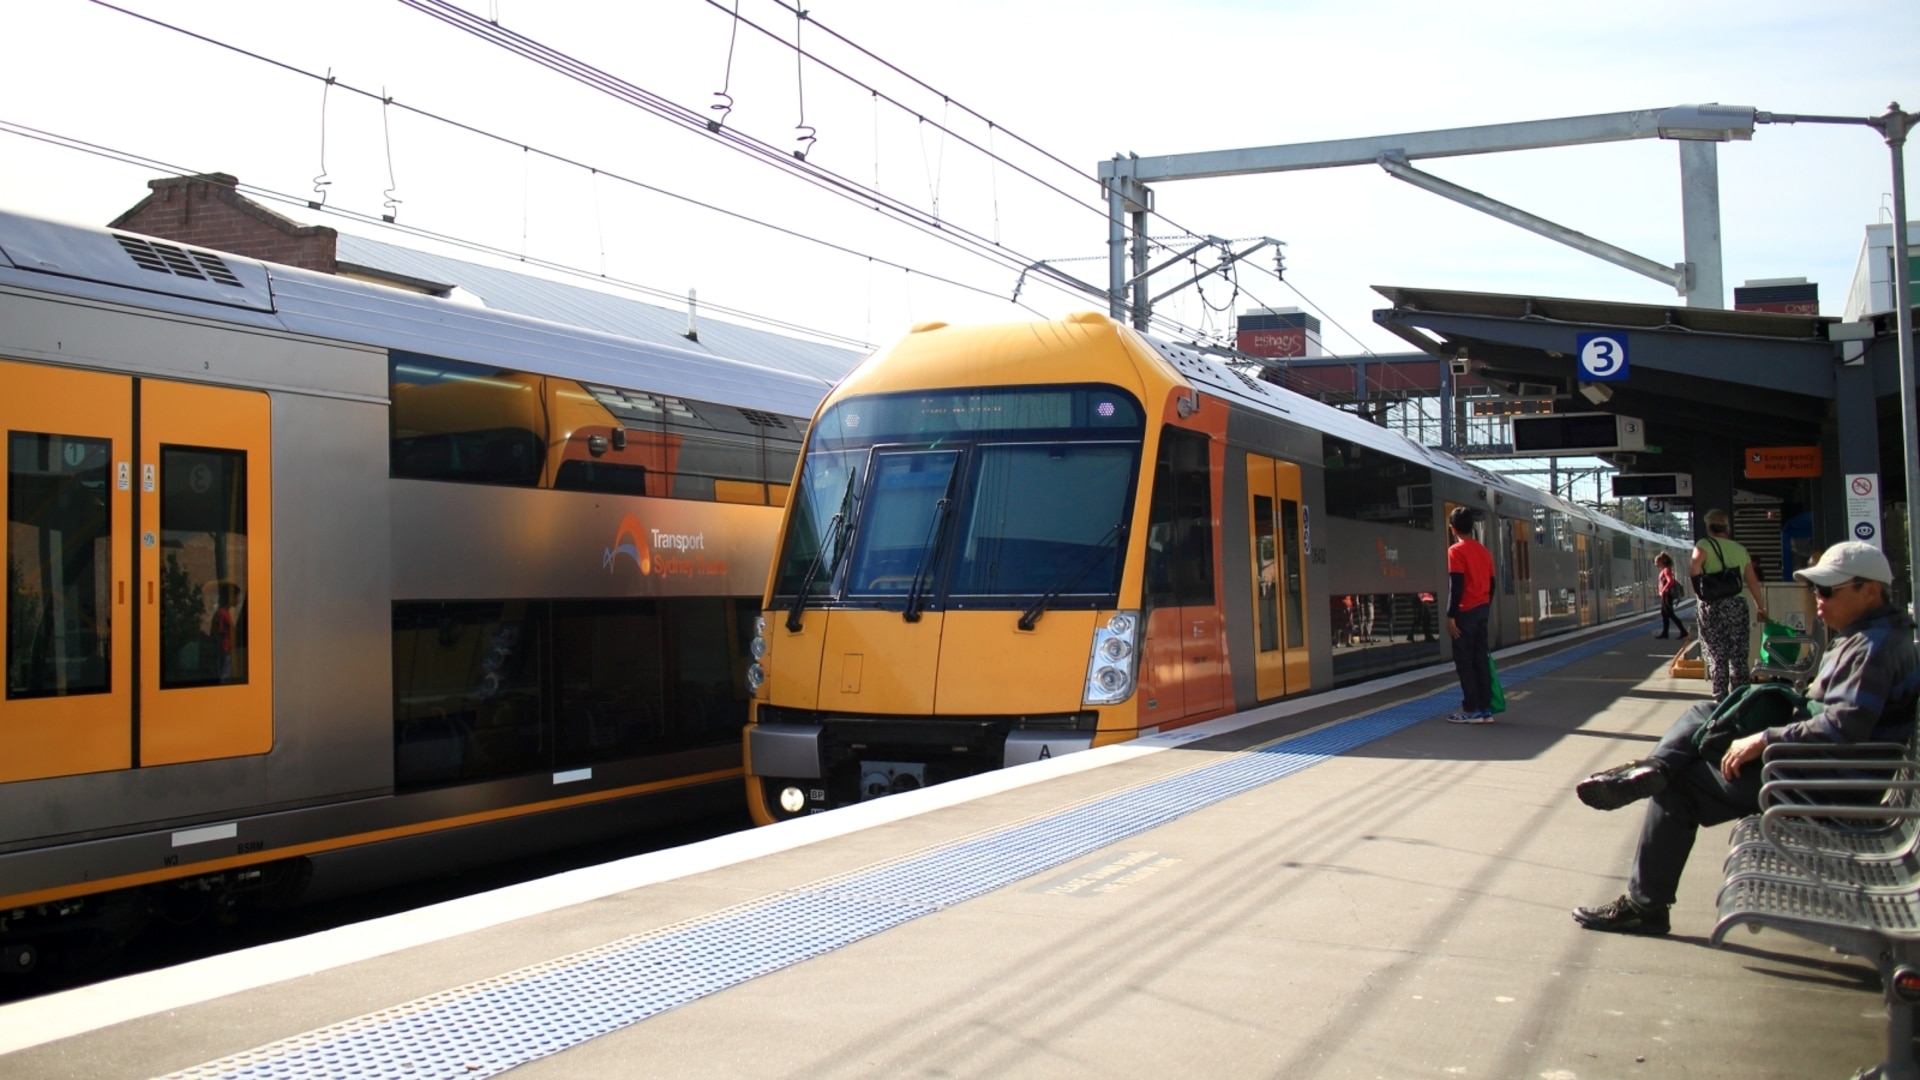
(1614, 788)
(1624, 916)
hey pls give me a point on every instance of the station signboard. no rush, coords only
(1567, 434)
(1782, 462)
(1642, 485)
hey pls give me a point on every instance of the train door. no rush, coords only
(1276, 538)
(1182, 667)
(1519, 547)
(205, 552)
(1583, 561)
(67, 638)
(137, 548)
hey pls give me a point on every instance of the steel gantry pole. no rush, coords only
(1895, 129)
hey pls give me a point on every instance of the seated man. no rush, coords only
(1867, 686)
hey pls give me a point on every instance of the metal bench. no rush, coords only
(1821, 864)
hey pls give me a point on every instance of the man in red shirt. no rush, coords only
(1470, 569)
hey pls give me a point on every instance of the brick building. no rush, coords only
(206, 211)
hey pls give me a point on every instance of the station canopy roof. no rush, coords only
(1696, 376)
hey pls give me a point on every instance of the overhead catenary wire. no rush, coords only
(945, 98)
(268, 194)
(755, 148)
(331, 81)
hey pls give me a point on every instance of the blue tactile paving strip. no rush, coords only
(491, 1026)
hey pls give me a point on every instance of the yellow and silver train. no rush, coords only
(1011, 542)
(313, 584)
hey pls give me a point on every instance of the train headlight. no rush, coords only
(792, 799)
(758, 648)
(756, 675)
(1110, 664)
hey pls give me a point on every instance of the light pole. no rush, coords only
(1719, 123)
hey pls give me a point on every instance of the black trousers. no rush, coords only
(1696, 795)
(1470, 659)
(1667, 615)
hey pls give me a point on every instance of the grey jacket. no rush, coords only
(1867, 686)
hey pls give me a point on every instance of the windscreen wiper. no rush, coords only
(1039, 607)
(836, 529)
(930, 550)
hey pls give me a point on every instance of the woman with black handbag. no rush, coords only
(1722, 573)
(1669, 595)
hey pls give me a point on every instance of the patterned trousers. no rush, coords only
(1724, 629)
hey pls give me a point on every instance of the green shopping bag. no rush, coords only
(1499, 699)
(1774, 651)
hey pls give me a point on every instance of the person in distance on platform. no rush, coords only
(1725, 624)
(1470, 572)
(1865, 691)
(1669, 596)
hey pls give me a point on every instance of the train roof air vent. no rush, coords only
(762, 419)
(185, 262)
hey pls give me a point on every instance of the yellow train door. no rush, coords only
(206, 646)
(1277, 543)
(119, 548)
(67, 637)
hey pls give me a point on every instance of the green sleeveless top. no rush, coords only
(1737, 556)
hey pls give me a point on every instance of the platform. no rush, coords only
(1346, 887)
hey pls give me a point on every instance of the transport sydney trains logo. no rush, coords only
(662, 554)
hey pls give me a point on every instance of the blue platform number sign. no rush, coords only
(1603, 357)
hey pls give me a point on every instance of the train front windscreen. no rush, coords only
(964, 499)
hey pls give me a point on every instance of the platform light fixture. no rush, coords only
(1711, 122)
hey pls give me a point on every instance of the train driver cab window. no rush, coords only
(1043, 518)
(821, 522)
(59, 526)
(450, 420)
(203, 567)
(906, 508)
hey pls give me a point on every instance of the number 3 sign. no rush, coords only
(1603, 357)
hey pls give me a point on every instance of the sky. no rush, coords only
(1051, 87)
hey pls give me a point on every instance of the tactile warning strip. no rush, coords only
(491, 1026)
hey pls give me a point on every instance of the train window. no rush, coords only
(1364, 484)
(905, 506)
(1292, 574)
(1044, 517)
(636, 677)
(818, 529)
(450, 420)
(1179, 570)
(467, 691)
(203, 567)
(1268, 559)
(59, 532)
(1380, 632)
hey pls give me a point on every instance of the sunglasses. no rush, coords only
(1825, 592)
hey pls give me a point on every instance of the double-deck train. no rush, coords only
(313, 582)
(1012, 542)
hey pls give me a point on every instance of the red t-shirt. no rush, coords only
(1471, 559)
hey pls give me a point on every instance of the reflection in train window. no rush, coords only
(451, 420)
(59, 528)
(203, 567)
(1369, 485)
(466, 685)
(455, 421)
(1380, 632)
(499, 688)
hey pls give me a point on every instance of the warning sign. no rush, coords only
(1782, 462)
(1863, 507)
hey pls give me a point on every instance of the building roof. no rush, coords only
(574, 305)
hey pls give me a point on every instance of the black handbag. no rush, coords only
(1723, 583)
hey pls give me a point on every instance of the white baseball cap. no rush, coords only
(1846, 561)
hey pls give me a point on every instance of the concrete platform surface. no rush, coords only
(1398, 910)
